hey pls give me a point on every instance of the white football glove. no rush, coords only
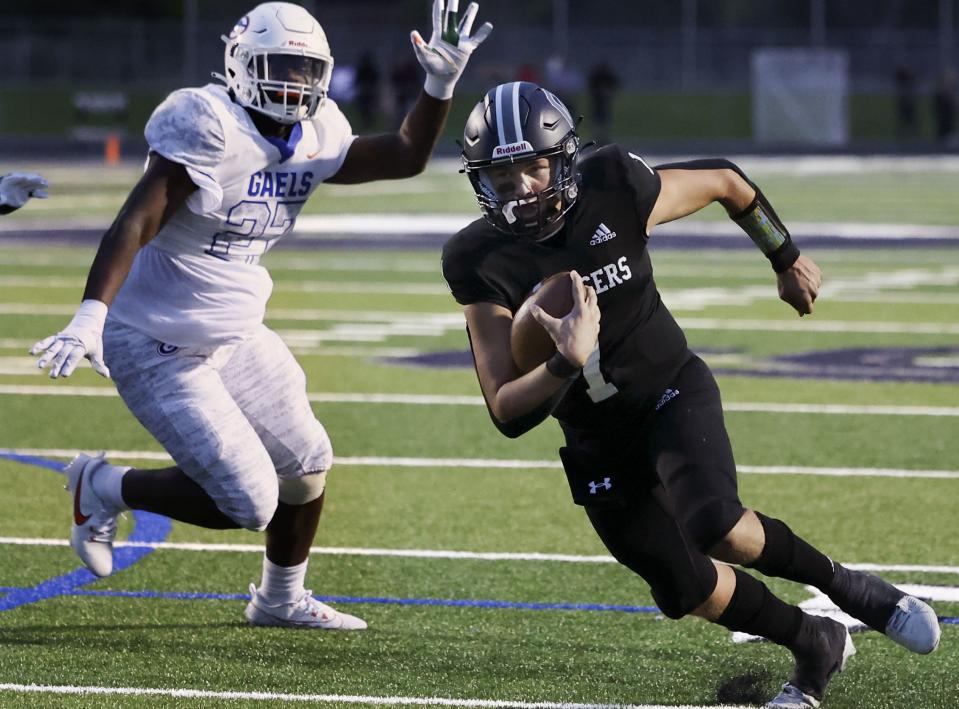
(444, 61)
(83, 337)
(17, 187)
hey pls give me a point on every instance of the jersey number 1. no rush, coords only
(598, 388)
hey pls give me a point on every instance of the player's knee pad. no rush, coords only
(709, 524)
(302, 490)
(255, 516)
(252, 507)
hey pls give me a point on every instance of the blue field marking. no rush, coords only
(148, 527)
(54, 465)
(155, 528)
(381, 600)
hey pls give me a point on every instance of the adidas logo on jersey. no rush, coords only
(602, 234)
(667, 396)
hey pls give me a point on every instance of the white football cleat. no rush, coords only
(306, 612)
(914, 625)
(94, 525)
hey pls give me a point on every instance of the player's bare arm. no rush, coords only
(397, 155)
(406, 152)
(684, 192)
(799, 285)
(161, 191)
(509, 393)
(688, 187)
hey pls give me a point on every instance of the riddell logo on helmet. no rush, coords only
(294, 43)
(502, 151)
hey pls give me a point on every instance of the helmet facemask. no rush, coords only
(277, 62)
(537, 215)
(289, 87)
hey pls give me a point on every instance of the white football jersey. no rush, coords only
(199, 282)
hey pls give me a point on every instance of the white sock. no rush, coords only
(107, 481)
(282, 584)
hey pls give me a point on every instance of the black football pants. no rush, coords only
(662, 490)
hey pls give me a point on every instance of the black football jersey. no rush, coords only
(604, 239)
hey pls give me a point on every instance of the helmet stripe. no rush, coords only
(499, 114)
(516, 121)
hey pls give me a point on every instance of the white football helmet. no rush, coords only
(278, 62)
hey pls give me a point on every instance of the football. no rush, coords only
(530, 344)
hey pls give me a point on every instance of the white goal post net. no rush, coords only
(800, 96)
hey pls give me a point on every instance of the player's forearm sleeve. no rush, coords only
(760, 221)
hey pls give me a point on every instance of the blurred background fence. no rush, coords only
(669, 74)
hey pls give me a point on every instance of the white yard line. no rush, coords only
(806, 325)
(444, 225)
(432, 554)
(468, 400)
(455, 320)
(325, 698)
(383, 288)
(511, 464)
(384, 226)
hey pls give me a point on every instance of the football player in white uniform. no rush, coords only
(174, 303)
(16, 188)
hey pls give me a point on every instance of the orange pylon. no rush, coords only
(111, 150)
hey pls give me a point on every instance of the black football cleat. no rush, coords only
(823, 648)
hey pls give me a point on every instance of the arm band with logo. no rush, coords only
(761, 223)
(759, 220)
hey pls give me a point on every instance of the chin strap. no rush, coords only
(512, 205)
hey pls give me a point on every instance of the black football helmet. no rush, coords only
(516, 123)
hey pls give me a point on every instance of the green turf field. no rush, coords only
(482, 584)
(923, 195)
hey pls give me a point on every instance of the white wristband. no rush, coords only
(90, 315)
(440, 87)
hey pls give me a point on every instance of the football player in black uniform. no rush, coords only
(647, 453)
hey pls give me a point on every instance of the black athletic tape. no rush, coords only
(562, 368)
(759, 220)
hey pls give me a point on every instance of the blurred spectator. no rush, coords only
(563, 81)
(367, 85)
(603, 85)
(528, 72)
(944, 107)
(343, 84)
(17, 188)
(907, 124)
(406, 81)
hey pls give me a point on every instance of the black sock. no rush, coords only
(787, 556)
(864, 596)
(755, 610)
